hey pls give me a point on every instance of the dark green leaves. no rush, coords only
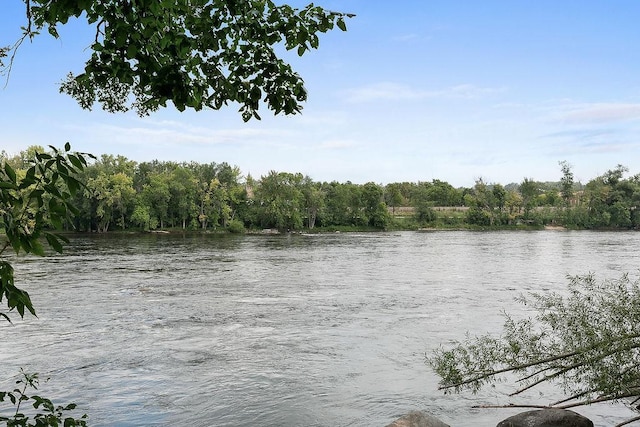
(46, 414)
(16, 298)
(31, 203)
(11, 174)
(194, 53)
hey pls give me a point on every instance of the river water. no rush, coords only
(285, 330)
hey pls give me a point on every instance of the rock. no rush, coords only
(417, 419)
(547, 418)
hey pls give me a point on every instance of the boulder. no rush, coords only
(417, 419)
(547, 418)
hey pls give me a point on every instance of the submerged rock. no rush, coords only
(417, 419)
(547, 418)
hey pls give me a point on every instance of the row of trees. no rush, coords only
(119, 193)
(607, 201)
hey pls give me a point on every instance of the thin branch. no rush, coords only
(509, 369)
(533, 374)
(599, 400)
(546, 378)
(14, 48)
(4, 247)
(551, 359)
(511, 406)
(634, 401)
(574, 366)
(629, 421)
(28, 5)
(574, 397)
(98, 32)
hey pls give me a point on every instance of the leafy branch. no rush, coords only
(47, 414)
(31, 203)
(587, 341)
(193, 53)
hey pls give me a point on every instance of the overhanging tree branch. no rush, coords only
(591, 334)
(193, 53)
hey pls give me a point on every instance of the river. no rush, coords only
(285, 330)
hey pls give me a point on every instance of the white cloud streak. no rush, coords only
(601, 113)
(400, 92)
(176, 133)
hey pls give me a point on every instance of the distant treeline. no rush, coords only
(123, 194)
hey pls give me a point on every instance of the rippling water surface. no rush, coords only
(291, 330)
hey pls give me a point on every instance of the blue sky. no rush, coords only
(413, 91)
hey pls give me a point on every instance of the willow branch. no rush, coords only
(552, 359)
(599, 400)
(533, 374)
(635, 401)
(629, 421)
(576, 365)
(574, 397)
(509, 369)
(511, 406)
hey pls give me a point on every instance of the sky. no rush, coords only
(415, 90)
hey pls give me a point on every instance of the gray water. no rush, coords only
(290, 330)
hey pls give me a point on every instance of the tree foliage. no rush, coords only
(194, 53)
(118, 193)
(32, 202)
(608, 201)
(587, 341)
(566, 182)
(44, 412)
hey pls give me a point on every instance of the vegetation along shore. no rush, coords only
(116, 193)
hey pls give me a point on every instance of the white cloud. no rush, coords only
(176, 133)
(337, 144)
(405, 37)
(601, 113)
(396, 92)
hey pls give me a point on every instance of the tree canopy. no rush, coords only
(194, 53)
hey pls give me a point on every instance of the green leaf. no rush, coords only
(53, 242)
(121, 37)
(9, 185)
(10, 172)
(73, 184)
(15, 243)
(36, 247)
(132, 51)
(75, 161)
(31, 173)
